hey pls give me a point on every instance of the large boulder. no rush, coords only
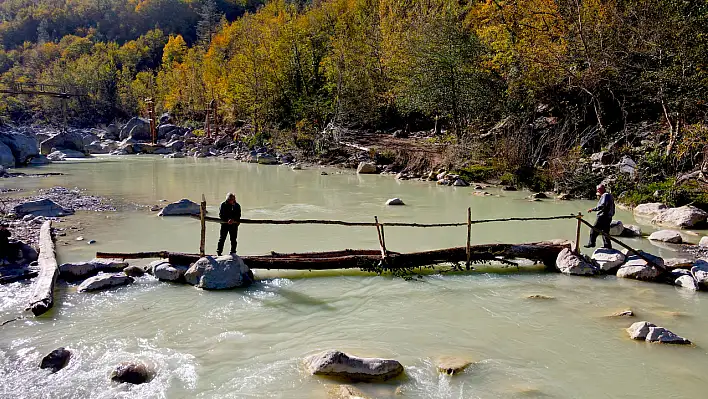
(43, 207)
(78, 270)
(638, 269)
(631, 230)
(670, 236)
(608, 259)
(181, 207)
(165, 131)
(165, 271)
(452, 365)
(639, 330)
(224, 272)
(340, 365)
(568, 262)
(132, 373)
(684, 217)
(7, 159)
(616, 228)
(104, 281)
(23, 147)
(63, 141)
(138, 128)
(699, 271)
(56, 360)
(366, 168)
(649, 210)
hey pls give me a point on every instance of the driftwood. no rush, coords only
(390, 224)
(544, 252)
(43, 294)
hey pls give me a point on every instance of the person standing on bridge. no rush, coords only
(605, 211)
(230, 215)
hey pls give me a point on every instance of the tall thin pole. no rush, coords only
(382, 243)
(202, 216)
(577, 235)
(469, 236)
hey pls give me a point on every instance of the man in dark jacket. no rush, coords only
(230, 215)
(605, 211)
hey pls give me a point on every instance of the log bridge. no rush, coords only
(43, 291)
(374, 260)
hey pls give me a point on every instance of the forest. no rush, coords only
(527, 87)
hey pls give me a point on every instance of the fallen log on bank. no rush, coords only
(542, 252)
(43, 293)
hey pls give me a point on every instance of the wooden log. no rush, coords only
(202, 215)
(43, 292)
(545, 252)
(577, 235)
(382, 243)
(391, 224)
(469, 236)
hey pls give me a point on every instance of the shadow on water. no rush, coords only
(286, 299)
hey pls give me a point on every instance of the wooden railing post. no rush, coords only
(202, 216)
(382, 242)
(577, 234)
(469, 236)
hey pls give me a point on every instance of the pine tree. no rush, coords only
(210, 20)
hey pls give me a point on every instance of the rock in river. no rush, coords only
(22, 146)
(63, 141)
(63, 155)
(452, 365)
(700, 273)
(608, 259)
(181, 207)
(649, 210)
(569, 263)
(132, 373)
(340, 365)
(395, 201)
(616, 228)
(103, 281)
(687, 282)
(43, 207)
(684, 217)
(134, 271)
(164, 271)
(56, 360)
(220, 273)
(670, 236)
(366, 168)
(637, 268)
(77, 270)
(645, 331)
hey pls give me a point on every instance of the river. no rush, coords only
(250, 343)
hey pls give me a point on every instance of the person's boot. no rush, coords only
(588, 245)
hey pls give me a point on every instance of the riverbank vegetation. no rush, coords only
(525, 90)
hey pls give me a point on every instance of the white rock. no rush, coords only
(164, 271)
(687, 282)
(569, 263)
(340, 365)
(395, 201)
(608, 259)
(651, 209)
(700, 272)
(616, 228)
(181, 207)
(631, 230)
(103, 281)
(704, 242)
(683, 217)
(664, 336)
(220, 273)
(366, 168)
(637, 268)
(639, 330)
(670, 236)
(78, 270)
